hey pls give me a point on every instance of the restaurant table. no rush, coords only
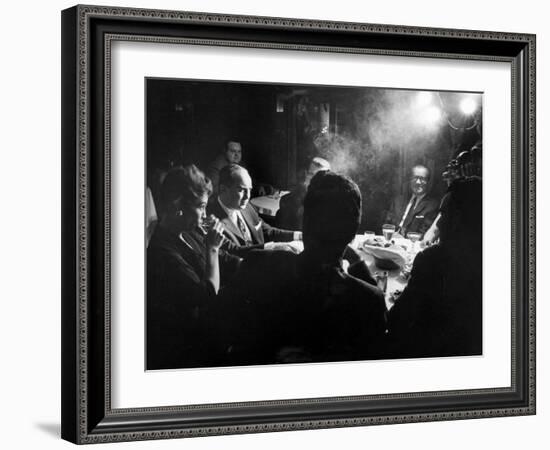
(268, 204)
(396, 280)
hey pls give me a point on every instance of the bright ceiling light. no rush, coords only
(432, 115)
(424, 98)
(468, 106)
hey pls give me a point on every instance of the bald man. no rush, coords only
(244, 229)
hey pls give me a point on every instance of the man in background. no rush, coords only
(422, 209)
(231, 154)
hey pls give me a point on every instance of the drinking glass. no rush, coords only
(387, 231)
(414, 238)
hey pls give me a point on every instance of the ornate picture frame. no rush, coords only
(88, 415)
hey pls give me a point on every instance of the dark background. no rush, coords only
(373, 135)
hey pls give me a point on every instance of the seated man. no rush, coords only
(439, 313)
(291, 208)
(421, 209)
(244, 229)
(301, 308)
(231, 154)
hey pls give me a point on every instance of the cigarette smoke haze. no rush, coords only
(383, 127)
(383, 123)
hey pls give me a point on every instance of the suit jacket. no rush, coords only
(422, 216)
(260, 231)
(291, 209)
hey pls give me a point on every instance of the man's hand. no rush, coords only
(432, 235)
(286, 246)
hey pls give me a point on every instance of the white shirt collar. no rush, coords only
(231, 213)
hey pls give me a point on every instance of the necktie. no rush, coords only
(408, 212)
(243, 229)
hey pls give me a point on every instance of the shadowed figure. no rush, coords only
(291, 210)
(440, 310)
(302, 308)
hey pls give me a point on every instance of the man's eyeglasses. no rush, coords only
(423, 180)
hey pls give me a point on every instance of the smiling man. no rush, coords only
(421, 209)
(244, 229)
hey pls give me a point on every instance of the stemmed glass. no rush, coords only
(411, 253)
(387, 231)
(414, 238)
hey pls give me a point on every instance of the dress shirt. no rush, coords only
(235, 216)
(415, 200)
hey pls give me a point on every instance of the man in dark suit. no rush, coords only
(422, 209)
(244, 229)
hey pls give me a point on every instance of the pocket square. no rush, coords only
(419, 217)
(258, 225)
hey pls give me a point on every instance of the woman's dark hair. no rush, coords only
(184, 185)
(332, 208)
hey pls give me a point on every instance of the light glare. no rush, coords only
(424, 98)
(432, 115)
(468, 106)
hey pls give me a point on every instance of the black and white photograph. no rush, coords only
(303, 223)
(276, 220)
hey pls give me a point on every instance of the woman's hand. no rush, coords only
(214, 237)
(213, 240)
